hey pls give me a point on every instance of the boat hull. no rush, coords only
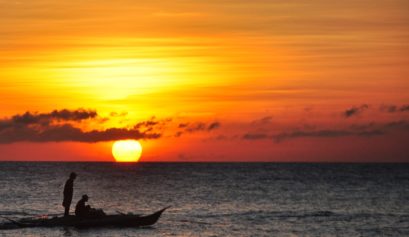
(122, 220)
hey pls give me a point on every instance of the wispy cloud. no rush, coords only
(362, 130)
(354, 111)
(326, 133)
(196, 127)
(213, 126)
(394, 108)
(255, 136)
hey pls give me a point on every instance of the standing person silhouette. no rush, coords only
(68, 192)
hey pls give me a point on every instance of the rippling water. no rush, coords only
(218, 199)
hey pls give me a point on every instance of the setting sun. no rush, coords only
(127, 151)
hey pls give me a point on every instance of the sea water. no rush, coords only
(217, 199)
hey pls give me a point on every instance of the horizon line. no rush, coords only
(215, 162)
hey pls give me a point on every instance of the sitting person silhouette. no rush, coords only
(82, 210)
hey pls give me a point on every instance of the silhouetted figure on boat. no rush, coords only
(68, 192)
(82, 210)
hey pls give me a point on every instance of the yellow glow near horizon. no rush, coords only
(102, 74)
(117, 78)
(127, 151)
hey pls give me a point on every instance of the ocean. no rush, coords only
(216, 199)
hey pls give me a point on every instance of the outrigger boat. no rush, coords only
(119, 220)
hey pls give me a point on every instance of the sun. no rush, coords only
(127, 151)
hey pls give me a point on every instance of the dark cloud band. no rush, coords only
(57, 126)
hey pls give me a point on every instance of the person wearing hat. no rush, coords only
(68, 192)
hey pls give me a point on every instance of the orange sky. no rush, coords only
(212, 80)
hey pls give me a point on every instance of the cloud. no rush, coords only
(196, 127)
(56, 127)
(398, 125)
(46, 118)
(362, 130)
(404, 108)
(325, 134)
(183, 125)
(152, 124)
(263, 121)
(255, 136)
(389, 108)
(67, 132)
(301, 134)
(394, 108)
(213, 126)
(67, 125)
(148, 123)
(355, 111)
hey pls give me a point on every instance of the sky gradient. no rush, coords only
(205, 80)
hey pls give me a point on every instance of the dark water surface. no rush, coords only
(218, 199)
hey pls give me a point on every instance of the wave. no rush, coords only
(284, 214)
(14, 213)
(302, 215)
